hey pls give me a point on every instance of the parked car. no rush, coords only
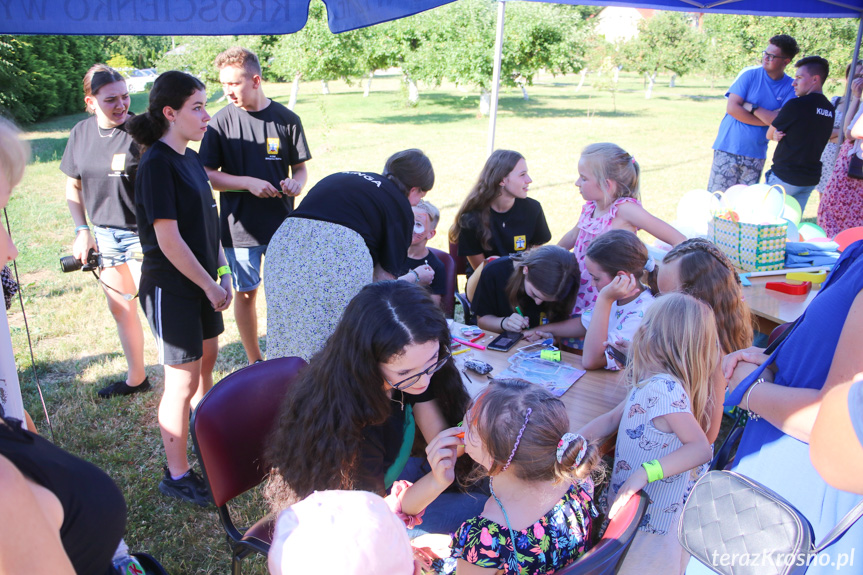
(140, 80)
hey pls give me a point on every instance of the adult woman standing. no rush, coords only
(352, 228)
(783, 393)
(185, 283)
(348, 421)
(841, 203)
(497, 218)
(100, 163)
(831, 150)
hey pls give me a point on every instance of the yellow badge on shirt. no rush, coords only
(520, 243)
(272, 146)
(118, 163)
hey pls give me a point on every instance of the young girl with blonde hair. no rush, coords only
(538, 518)
(608, 179)
(661, 426)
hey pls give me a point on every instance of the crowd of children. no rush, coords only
(382, 369)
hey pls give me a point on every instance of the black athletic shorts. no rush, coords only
(179, 324)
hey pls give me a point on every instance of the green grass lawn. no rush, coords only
(75, 342)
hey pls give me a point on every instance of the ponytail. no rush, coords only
(170, 89)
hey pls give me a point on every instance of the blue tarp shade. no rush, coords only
(194, 17)
(796, 8)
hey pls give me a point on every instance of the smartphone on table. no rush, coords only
(505, 341)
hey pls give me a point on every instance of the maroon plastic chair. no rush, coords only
(448, 298)
(608, 553)
(778, 331)
(460, 261)
(230, 428)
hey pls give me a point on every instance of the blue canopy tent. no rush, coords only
(242, 17)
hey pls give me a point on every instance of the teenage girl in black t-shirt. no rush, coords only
(497, 218)
(185, 283)
(527, 290)
(100, 162)
(346, 422)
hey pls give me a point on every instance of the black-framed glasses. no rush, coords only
(768, 57)
(412, 380)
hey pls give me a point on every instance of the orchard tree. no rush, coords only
(667, 41)
(735, 42)
(315, 53)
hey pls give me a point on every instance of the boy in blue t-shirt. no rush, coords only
(754, 100)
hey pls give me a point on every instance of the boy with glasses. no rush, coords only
(754, 100)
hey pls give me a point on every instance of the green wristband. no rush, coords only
(223, 271)
(654, 470)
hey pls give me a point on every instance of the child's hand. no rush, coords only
(515, 322)
(621, 345)
(620, 287)
(633, 485)
(442, 453)
(753, 355)
(537, 335)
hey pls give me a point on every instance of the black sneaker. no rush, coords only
(121, 388)
(189, 488)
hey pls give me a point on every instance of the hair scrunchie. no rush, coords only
(563, 444)
(650, 265)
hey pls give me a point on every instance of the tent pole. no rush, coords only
(847, 99)
(495, 87)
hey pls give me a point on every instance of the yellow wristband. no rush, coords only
(223, 271)
(654, 470)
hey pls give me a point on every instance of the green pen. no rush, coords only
(518, 309)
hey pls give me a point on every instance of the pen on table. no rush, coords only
(460, 351)
(477, 338)
(468, 343)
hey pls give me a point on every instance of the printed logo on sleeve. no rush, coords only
(520, 243)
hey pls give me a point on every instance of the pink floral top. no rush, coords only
(588, 228)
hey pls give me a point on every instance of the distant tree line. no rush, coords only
(41, 76)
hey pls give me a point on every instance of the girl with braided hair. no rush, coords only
(699, 268)
(539, 516)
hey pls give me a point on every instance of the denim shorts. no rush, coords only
(245, 264)
(117, 246)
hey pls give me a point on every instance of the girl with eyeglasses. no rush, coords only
(350, 420)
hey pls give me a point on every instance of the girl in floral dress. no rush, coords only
(608, 179)
(540, 484)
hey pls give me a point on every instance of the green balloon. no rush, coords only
(809, 230)
(792, 210)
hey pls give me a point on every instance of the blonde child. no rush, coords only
(540, 484)
(422, 266)
(608, 179)
(661, 443)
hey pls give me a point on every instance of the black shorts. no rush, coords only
(179, 324)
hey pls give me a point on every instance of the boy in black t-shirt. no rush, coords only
(422, 266)
(803, 127)
(254, 152)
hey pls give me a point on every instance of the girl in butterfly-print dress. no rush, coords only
(661, 426)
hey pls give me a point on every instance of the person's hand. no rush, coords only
(291, 187)
(537, 335)
(622, 345)
(425, 273)
(633, 485)
(442, 453)
(84, 242)
(217, 295)
(620, 287)
(261, 188)
(515, 322)
(225, 283)
(753, 355)
(778, 135)
(857, 87)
